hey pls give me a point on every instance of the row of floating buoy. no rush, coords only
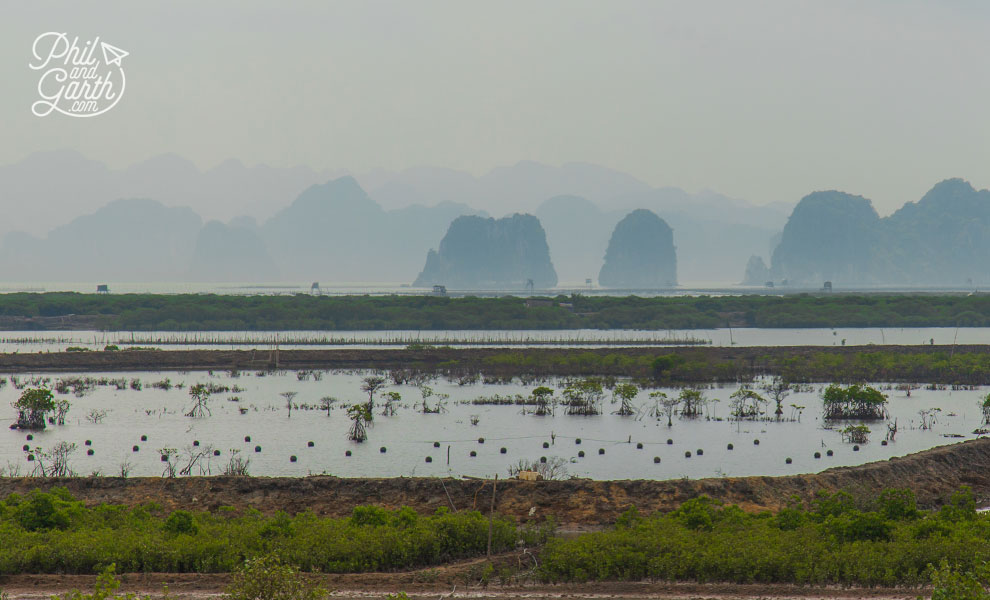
(429, 459)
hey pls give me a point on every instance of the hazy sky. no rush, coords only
(759, 100)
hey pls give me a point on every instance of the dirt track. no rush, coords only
(933, 475)
(450, 586)
(455, 580)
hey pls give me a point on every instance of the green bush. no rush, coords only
(268, 578)
(829, 542)
(949, 583)
(181, 521)
(49, 532)
(42, 511)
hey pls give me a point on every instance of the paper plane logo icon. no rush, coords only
(73, 80)
(112, 54)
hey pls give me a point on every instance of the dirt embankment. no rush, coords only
(691, 363)
(431, 360)
(933, 475)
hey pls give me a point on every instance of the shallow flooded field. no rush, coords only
(249, 415)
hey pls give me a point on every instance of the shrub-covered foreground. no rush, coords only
(831, 541)
(835, 539)
(53, 532)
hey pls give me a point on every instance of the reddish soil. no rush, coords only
(197, 587)
(457, 580)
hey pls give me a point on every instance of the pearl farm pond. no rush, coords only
(298, 423)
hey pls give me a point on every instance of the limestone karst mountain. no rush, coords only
(640, 254)
(941, 240)
(480, 253)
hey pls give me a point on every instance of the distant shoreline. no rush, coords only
(306, 312)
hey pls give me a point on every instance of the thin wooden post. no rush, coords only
(449, 499)
(491, 516)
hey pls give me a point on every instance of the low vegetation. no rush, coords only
(693, 365)
(195, 312)
(54, 533)
(833, 540)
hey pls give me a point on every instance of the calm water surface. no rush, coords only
(259, 412)
(53, 341)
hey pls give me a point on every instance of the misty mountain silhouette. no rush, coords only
(490, 254)
(943, 239)
(338, 231)
(131, 240)
(640, 254)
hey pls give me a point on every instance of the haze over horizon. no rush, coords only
(765, 102)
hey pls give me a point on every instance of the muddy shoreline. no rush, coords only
(933, 475)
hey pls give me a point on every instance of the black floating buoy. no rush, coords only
(756, 442)
(164, 457)
(730, 447)
(543, 459)
(577, 440)
(502, 450)
(25, 447)
(670, 442)
(818, 454)
(856, 448)
(883, 442)
(144, 438)
(195, 442)
(700, 452)
(247, 438)
(429, 459)
(89, 442)
(601, 450)
(292, 458)
(216, 453)
(89, 452)
(29, 437)
(436, 444)
(310, 444)
(639, 445)
(382, 450)
(788, 460)
(257, 448)
(473, 454)
(580, 453)
(134, 448)
(481, 440)
(546, 444)
(829, 453)
(656, 460)
(687, 454)
(30, 457)
(348, 453)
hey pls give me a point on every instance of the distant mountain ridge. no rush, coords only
(943, 239)
(415, 206)
(138, 239)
